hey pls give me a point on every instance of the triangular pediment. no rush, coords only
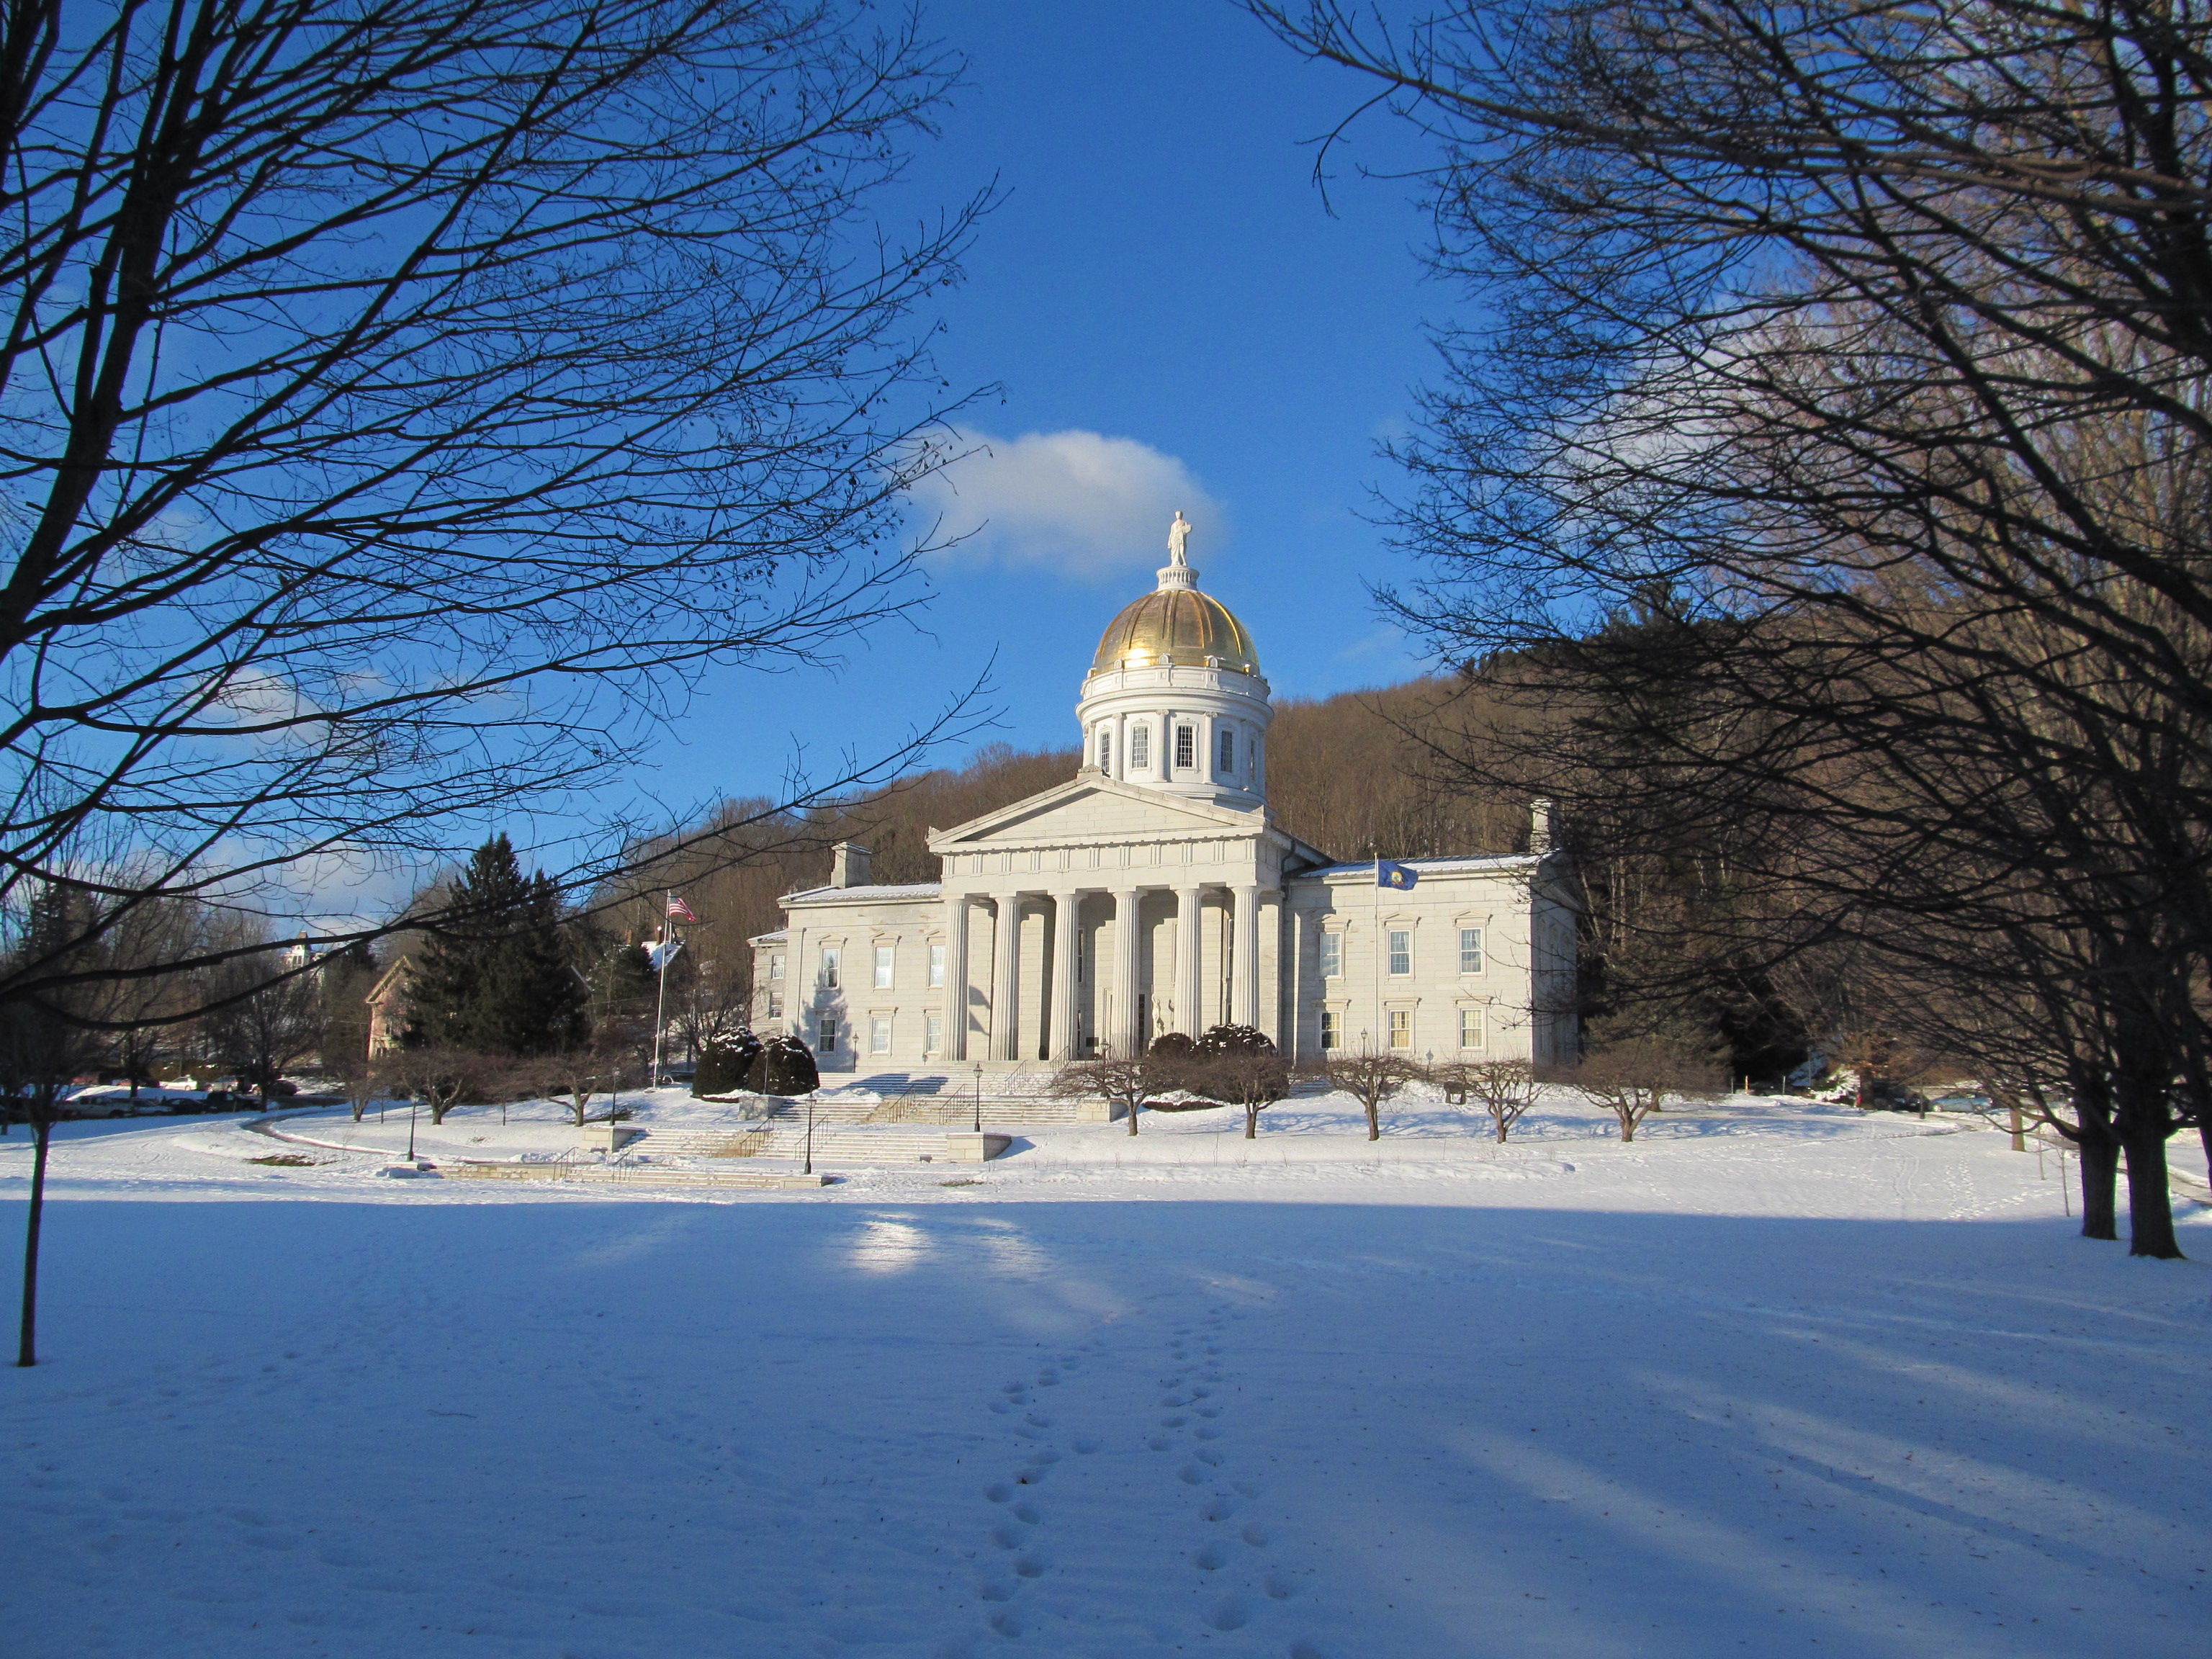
(1094, 809)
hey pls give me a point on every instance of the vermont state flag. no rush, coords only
(1387, 874)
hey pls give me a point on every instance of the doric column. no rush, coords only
(1244, 966)
(1007, 978)
(956, 977)
(1066, 935)
(1127, 1036)
(1186, 979)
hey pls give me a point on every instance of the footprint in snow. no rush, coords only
(1229, 1612)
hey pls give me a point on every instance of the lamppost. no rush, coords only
(410, 1126)
(810, 1133)
(979, 1096)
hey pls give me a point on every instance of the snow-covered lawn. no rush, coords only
(1774, 1377)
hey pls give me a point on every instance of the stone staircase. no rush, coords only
(906, 1100)
(631, 1174)
(833, 1143)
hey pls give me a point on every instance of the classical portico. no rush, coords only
(1154, 892)
(1095, 916)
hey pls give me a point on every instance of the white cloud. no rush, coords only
(1082, 503)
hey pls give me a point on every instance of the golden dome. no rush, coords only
(1178, 625)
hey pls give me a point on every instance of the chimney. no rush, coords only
(849, 865)
(1542, 829)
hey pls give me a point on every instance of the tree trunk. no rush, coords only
(2150, 1202)
(1252, 1123)
(27, 1351)
(1134, 1106)
(2019, 1135)
(2100, 1168)
(1501, 1127)
(1374, 1120)
(1627, 1127)
(437, 1110)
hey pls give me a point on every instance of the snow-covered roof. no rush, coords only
(776, 938)
(1474, 865)
(912, 889)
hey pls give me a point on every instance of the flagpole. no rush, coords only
(660, 1007)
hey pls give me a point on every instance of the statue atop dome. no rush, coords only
(1177, 572)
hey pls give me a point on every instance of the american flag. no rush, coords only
(679, 909)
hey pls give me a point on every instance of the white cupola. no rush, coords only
(1175, 700)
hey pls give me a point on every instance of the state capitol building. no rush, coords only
(1154, 892)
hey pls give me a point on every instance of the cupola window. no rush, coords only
(1228, 766)
(1105, 748)
(1140, 747)
(1186, 748)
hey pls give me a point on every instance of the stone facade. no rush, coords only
(1154, 892)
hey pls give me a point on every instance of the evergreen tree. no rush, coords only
(498, 980)
(785, 1067)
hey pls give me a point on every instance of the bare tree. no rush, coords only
(1371, 1076)
(406, 401)
(1836, 369)
(364, 1085)
(1505, 1088)
(266, 1019)
(1632, 1078)
(1252, 1078)
(580, 1072)
(41, 1048)
(442, 1079)
(1129, 1081)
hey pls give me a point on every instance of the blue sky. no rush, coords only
(1176, 317)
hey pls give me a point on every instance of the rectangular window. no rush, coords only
(879, 1034)
(1401, 952)
(884, 959)
(826, 1036)
(936, 965)
(775, 966)
(1332, 956)
(1140, 747)
(933, 1035)
(1228, 746)
(1470, 949)
(830, 981)
(1401, 1028)
(1329, 1035)
(775, 1005)
(1105, 749)
(1470, 1027)
(1186, 748)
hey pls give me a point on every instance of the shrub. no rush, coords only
(725, 1064)
(785, 1067)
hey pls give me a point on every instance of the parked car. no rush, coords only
(115, 1100)
(1887, 1095)
(1961, 1100)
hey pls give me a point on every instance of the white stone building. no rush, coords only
(1154, 892)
